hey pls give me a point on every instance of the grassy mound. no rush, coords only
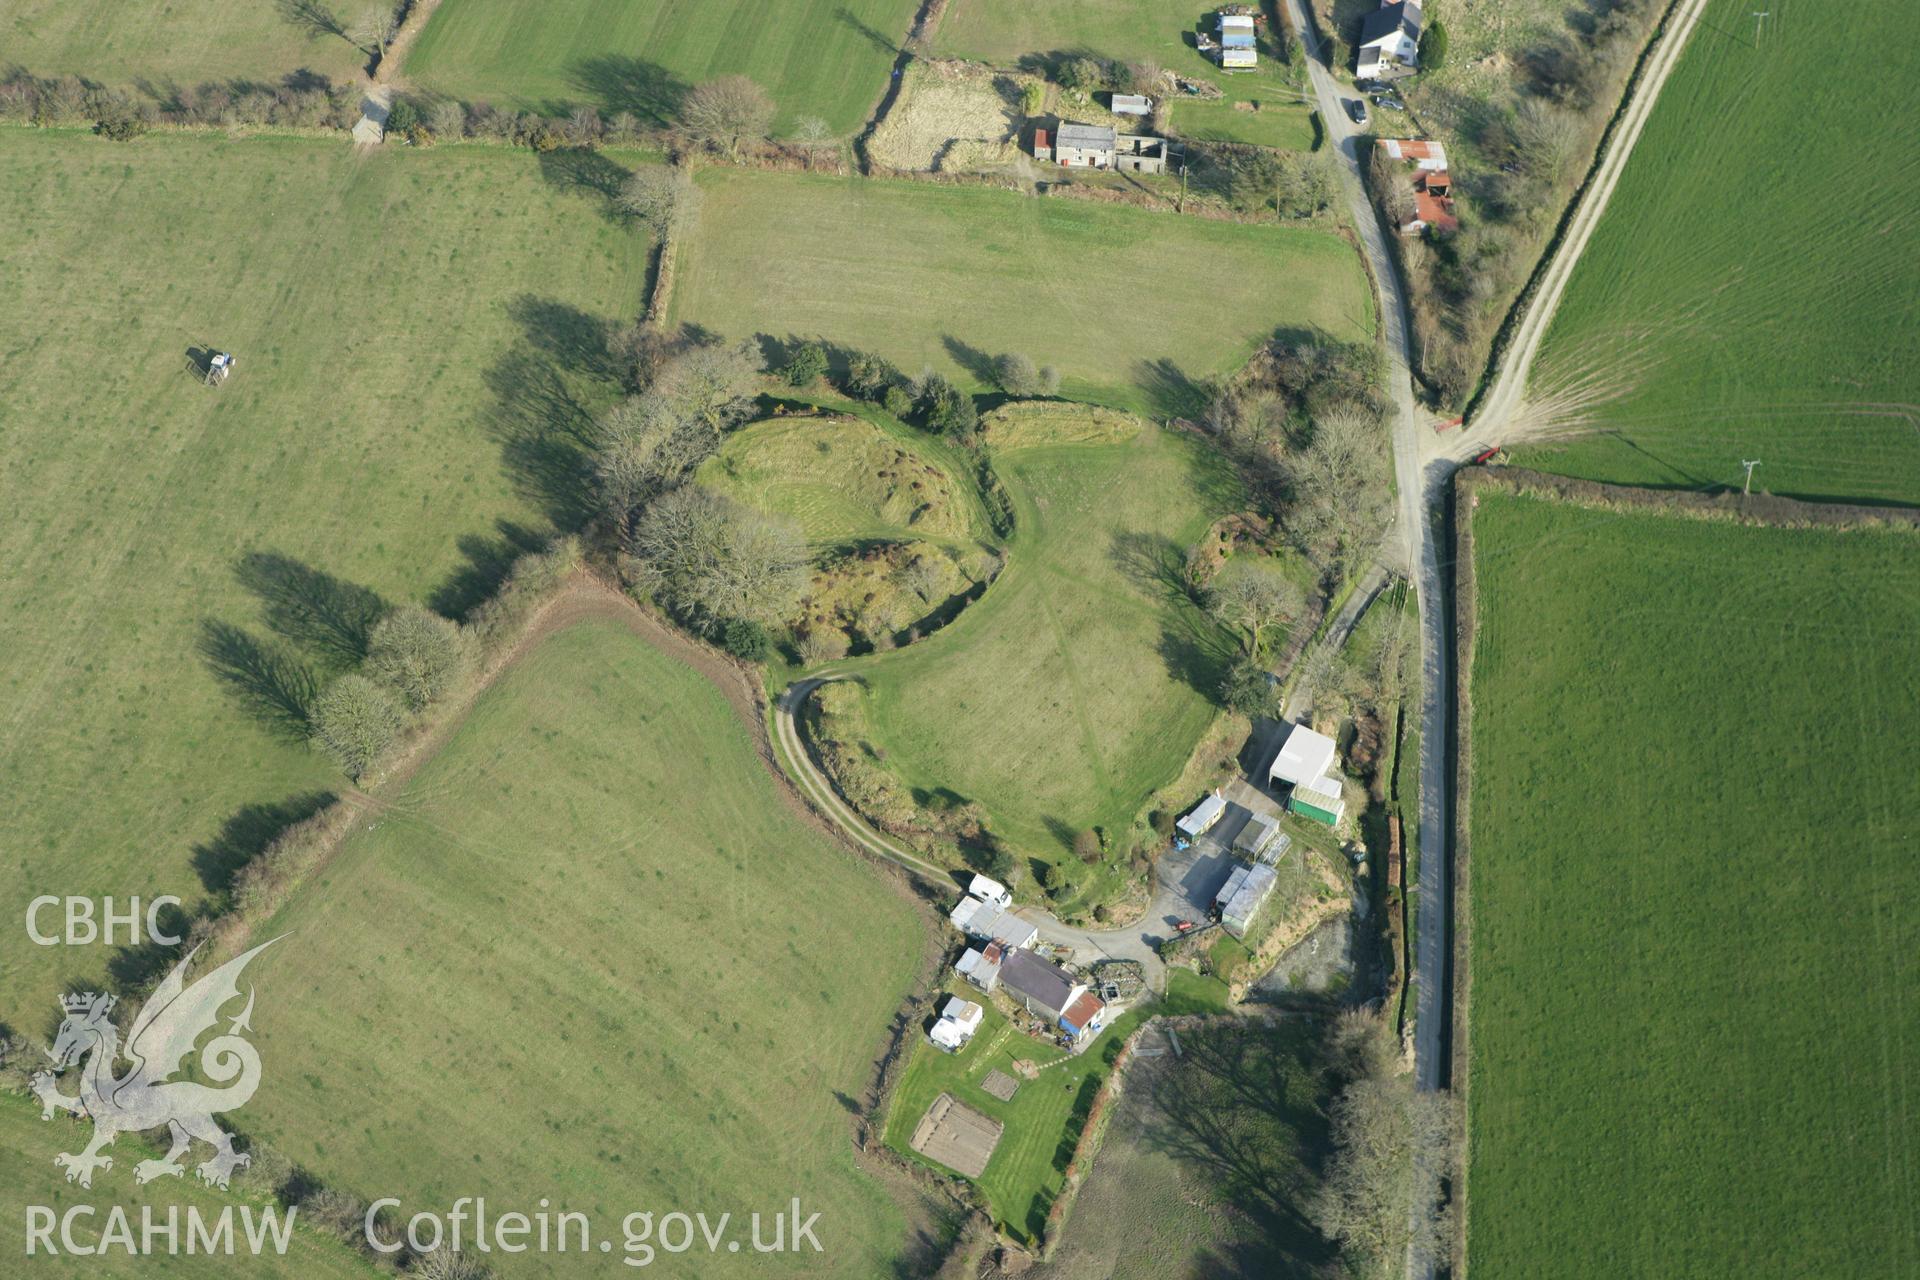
(1081, 681)
(591, 954)
(184, 562)
(841, 479)
(1693, 953)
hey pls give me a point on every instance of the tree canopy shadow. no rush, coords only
(246, 834)
(1151, 561)
(272, 685)
(327, 616)
(312, 17)
(621, 83)
(579, 341)
(1172, 393)
(489, 559)
(978, 364)
(878, 39)
(588, 172)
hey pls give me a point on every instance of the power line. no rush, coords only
(1749, 464)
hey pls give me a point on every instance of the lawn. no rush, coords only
(1758, 313)
(1130, 305)
(182, 561)
(822, 59)
(1009, 32)
(1208, 1162)
(1044, 1120)
(188, 41)
(590, 953)
(27, 1147)
(1693, 957)
(1081, 681)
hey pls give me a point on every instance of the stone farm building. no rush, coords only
(1098, 146)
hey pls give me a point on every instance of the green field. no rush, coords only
(188, 41)
(27, 1148)
(1748, 315)
(1693, 949)
(1208, 1161)
(589, 953)
(1081, 681)
(826, 59)
(1130, 305)
(845, 478)
(396, 317)
(1008, 32)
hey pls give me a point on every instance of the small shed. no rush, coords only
(1304, 756)
(1255, 887)
(1132, 104)
(1237, 40)
(1322, 800)
(1042, 144)
(1203, 816)
(1258, 836)
(981, 966)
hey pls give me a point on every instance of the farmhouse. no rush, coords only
(1042, 986)
(1241, 898)
(956, 1025)
(1390, 41)
(1237, 38)
(988, 922)
(1093, 146)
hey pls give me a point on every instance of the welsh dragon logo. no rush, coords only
(162, 1036)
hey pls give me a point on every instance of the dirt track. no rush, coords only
(1500, 411)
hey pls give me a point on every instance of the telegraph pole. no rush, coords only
(1759, 16)
(1749, 464)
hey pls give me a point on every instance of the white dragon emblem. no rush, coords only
(161, 1037)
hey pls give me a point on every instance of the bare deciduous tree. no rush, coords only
(353, 721)
(1339, 487)
(715, 560)
(417, 653)
(727, 110)
(373, 30)
(1254, 599)
(712, 382)
(658, 199)
(645, 447)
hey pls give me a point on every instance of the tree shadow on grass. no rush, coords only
(1171, 392)
(275, 687)
(1245, 1107)
(619, 83)
(245, 835)
(878, 39)
(977, 363)
(327, 616)
(578, 341)
(489, 560)
(1151, 561)
(587, 172)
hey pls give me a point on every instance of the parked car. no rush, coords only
(1391, 104)
(1358, 110)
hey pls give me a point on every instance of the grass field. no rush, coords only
(395, 317)
(845, 478)
(827, 59)
(589, 953)
(27, 1147)
(1207, 1162)
(1693, 954)
(1129, 305)
(188, 41)
(1743, 316)
(1008, 32)
(1083, 678)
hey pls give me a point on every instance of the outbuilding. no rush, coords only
(1304, 756)
(958, 1021)
(1249, 895)
(1084, 1018)
(985, 921)
(1202, 818)
(1131, 104)
(1322, 800)
(1237, 41)
(981, 966)
(1258, 837)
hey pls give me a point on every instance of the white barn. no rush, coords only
(1304, 756)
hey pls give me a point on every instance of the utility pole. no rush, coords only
(1749, 464)
(1759, 17)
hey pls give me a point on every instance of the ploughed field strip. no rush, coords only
(1750, 291)
(590, 953)
(187, 563)
(1692, 964)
